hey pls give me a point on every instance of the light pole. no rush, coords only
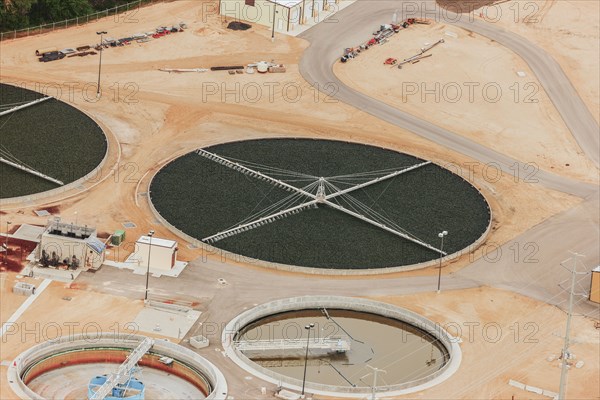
(273, 30)
(150, 234)
(441, 236)
(101, 33)
(308, 328)
(374, 387)
(565, 353)
(6, 243)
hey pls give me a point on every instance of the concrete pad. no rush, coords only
(42, 213)
(141, 269)
(51, 273)
(30, 233)
(166, 323)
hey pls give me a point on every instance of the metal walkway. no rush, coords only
(22, 106)
(30, 170)
(123, 374)
(322, 186)
(338, 345)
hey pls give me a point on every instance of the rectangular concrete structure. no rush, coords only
(162, 253)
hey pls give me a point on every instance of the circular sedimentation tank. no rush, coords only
(52, 137)
(215, 190)
(64, 368)
(349, 337)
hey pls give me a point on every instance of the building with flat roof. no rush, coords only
(162, 252)
(71, 246)
(280, 15)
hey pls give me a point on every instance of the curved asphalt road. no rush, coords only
(355, 23)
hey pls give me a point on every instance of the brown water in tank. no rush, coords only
(405, 352)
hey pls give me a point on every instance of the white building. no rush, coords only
(162, 252)
(280, 15)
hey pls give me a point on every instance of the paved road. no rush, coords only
(355, 23)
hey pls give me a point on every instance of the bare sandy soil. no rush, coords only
(507, 336)
(470, 86)
(151, 117)
(568, 30)
(9, 302)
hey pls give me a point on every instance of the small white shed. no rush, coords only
(162, 252)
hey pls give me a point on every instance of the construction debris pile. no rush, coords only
(53, 54)
(419, 56)
(261, 67)
(238, 26)
(381, 36)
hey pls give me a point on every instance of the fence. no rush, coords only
(84, 19)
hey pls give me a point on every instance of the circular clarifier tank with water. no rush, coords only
(76, 367)
(349, 339)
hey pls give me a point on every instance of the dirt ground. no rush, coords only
(471, 78)
(507, 336)
(568, 30)
(10, 302)
(152, 117)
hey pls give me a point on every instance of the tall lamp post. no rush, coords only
(6, 243)
(374, 387)
(150, 234)
(441, 236)
(101, 33)
(274, 16)
(308, 328)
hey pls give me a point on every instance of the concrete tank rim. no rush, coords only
(341, 302)
(206, 368)
(40, 198)
(315, 270)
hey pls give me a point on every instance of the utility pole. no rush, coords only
(274, 17)
(101, 33)
(441, 236)
(8, 223)
(308, 329)
(565, 355)
(150, 234)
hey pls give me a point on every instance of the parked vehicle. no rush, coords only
(52, 56)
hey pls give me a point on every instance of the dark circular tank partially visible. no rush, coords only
(201, 197)
(52, 137)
